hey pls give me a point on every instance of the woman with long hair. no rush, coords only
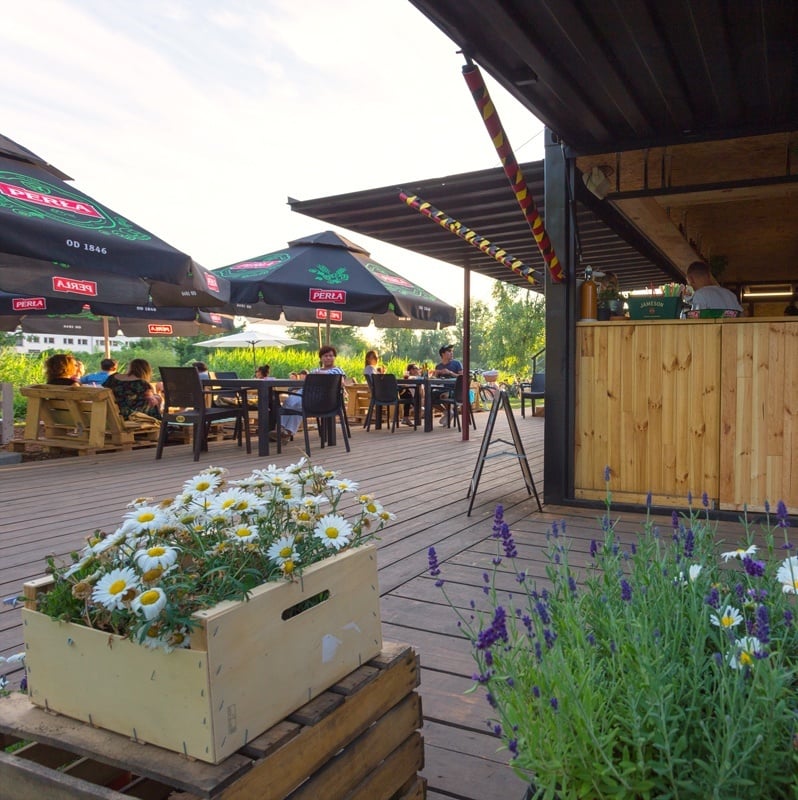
(133, 391)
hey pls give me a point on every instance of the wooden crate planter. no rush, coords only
(358, 740)
(247, 667)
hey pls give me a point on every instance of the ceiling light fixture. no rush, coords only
(762, 291)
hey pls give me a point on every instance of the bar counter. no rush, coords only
(688, 406)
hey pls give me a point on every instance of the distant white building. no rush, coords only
(34, 343)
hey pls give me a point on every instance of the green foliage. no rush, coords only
(640, 683)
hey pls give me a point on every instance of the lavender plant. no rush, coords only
(665, 670)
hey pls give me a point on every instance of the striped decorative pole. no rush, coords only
(490, 117)
(469, 235)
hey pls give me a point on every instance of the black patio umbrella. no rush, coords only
(47, 315)
(56, 241)
(326, 278)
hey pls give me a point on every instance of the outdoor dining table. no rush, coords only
(266, 390)
(444, 384)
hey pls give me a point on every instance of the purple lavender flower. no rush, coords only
(782, 515)
(432, 558)
(497, 631)
(536, 691)
(591, 639)
(674, 520)
(550, 637)
(689, 543)
(648, 501)
(739, 590)
(543, 612)
(788, 617)
(497, 729)
(507, 542)
(512, 746)
(705, 500)
(521, 576)
(689, 498)
(554, 703)
(571, 585)
(593, 548)
(626, 591)
(606, 474)
(498, 520)
(762, 624)
(756, 569)
(713, 598)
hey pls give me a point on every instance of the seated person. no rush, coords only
(706, 292)
(133, 391)
(262, 372)
(327, 355)
(448, 367)
(61, 370)
(108, 366)
(371, 363)
(202, 368)
(408, 393)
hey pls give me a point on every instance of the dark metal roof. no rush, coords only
(484, 201)
(609, 75)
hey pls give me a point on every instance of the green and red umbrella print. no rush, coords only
(326, 278)
(57, 242)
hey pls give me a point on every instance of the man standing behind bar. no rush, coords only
(707, 293)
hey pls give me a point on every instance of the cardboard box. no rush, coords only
(247, 667)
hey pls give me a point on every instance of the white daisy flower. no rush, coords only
(243, 533)
(226, 502)
(372, 508)
(342, 484)
(150, 602)
(116, 588)
(17, 658)
(144, 518)
(312, 502)
(204, 483)
(333, 530)
(740, 552)
(157, 556)
(283, 550)
(112, 540)
(787, 575)
(730, 618)
(745, 652)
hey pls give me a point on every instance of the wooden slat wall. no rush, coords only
(647, 406)
(759, 415)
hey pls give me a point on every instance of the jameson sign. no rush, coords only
(49, 200)
(159, 330)
(337, 296)
(71, 286)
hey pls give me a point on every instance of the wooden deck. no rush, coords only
(50, 507)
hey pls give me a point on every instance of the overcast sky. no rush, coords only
(197, 119)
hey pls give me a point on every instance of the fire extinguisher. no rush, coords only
(588, 297)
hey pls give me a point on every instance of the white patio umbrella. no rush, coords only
(256, 336)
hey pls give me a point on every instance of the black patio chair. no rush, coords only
(384, 394)
(453, 403)
(322, 398)
(533, 391)
(225, 397)
(186, 400)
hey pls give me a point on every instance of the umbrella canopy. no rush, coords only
(54, 316)
(327, 278)
(56, 241)
(252, 337)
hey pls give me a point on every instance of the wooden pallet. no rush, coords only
(357, 741)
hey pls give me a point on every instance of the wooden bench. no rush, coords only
(357, 401)
(82, 418)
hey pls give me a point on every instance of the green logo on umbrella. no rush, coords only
(323, 274)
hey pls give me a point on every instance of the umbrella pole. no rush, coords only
(328, 329)
(106, 338)
(318, 333)
(254, 362)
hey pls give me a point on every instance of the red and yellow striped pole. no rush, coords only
(490, 117)
(469, 235)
